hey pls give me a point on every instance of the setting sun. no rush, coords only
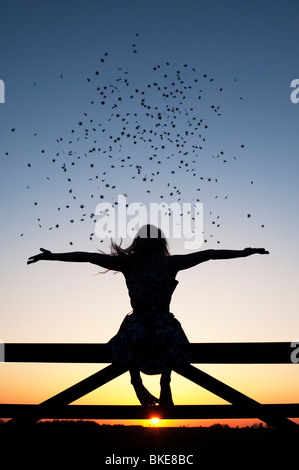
(155, 420)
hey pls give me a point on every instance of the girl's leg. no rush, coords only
(143, 395)
(165, 394)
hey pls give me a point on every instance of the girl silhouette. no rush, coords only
(150, 339)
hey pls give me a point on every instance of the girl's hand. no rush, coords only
(252, 251)
(44, 255)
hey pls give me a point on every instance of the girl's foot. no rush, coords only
(165, 393)
(144, 396)
(166, 400)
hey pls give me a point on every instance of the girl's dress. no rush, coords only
(150, 338)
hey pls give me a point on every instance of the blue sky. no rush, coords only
(48, 51)
(49, 60)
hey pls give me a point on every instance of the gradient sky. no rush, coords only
(50, 55)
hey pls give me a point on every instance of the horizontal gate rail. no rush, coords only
(133, 412)
(202, 353)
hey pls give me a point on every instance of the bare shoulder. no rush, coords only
(115, 262)
(186, 261)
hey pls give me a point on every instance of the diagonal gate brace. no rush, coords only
(73, 393)
(235, 397)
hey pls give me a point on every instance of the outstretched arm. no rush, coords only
(103, 260)
(179, 262)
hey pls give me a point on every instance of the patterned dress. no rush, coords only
(150, 338)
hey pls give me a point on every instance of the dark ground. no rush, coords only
(85, 442)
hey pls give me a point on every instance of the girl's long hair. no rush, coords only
(149, 240)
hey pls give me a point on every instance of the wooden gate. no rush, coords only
(58, 406)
